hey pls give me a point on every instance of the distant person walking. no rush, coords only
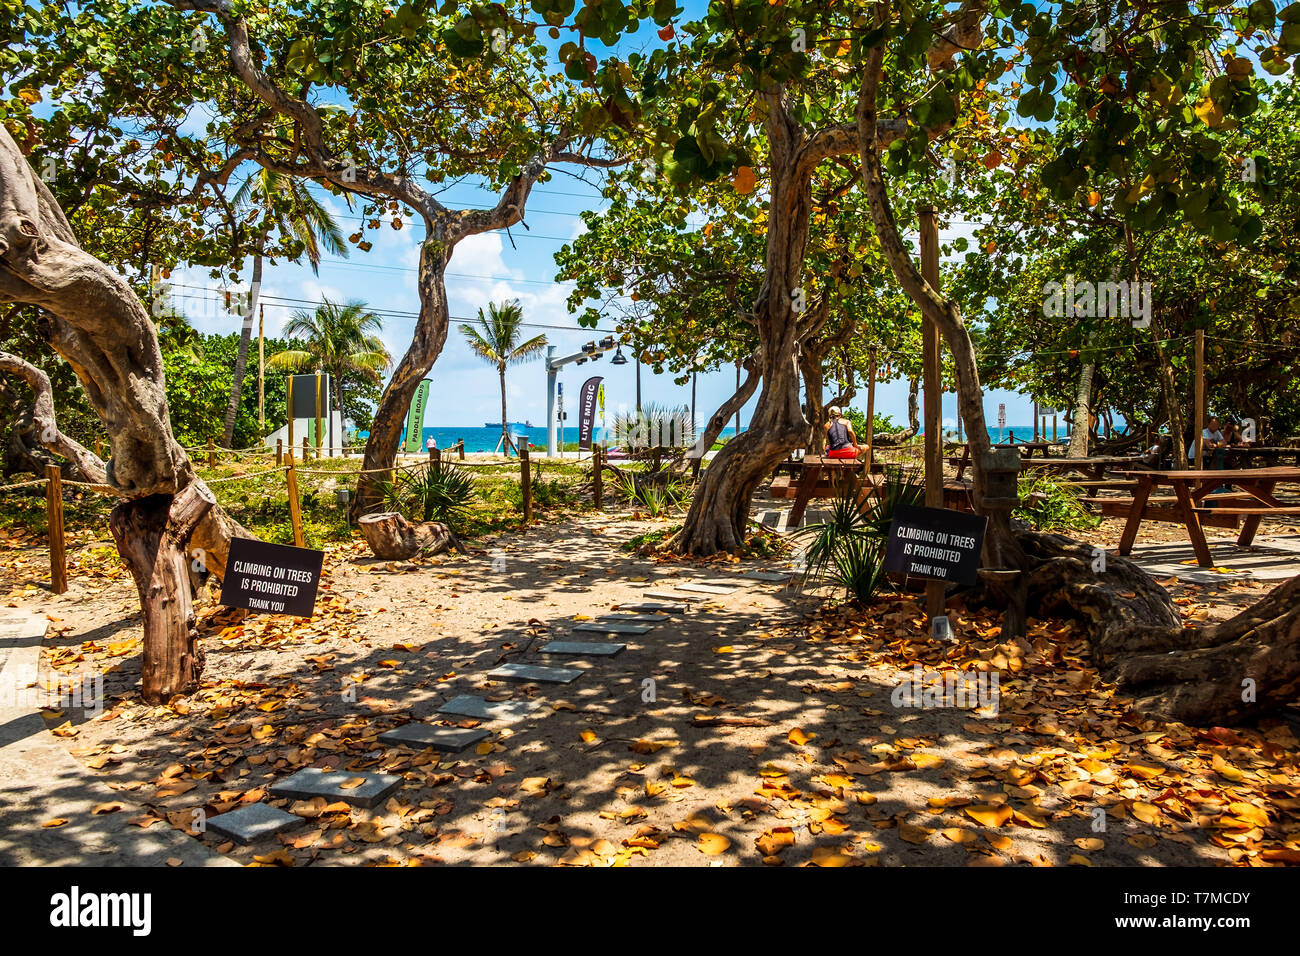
(840, 440)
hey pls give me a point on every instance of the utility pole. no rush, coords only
(261, 369)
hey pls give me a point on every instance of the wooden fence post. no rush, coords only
(54, 526)
(212, 453)
(306, 446)
(597, 465)
(279, 452)
(295, 511)
(461, 446)
(526, 483)
(435, 460)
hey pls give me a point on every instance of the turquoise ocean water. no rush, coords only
(486, 439)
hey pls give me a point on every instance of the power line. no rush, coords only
(287, 302)
(348, 263)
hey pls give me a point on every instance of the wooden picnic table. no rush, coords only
(1195, 503)
(820, 476)
(1090, 466)
(1270, 454)
(1029, 447)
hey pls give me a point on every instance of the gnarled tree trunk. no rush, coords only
(1236, 670)
(393, 538)
(94, 320)
(719, 509)
(718, 420)
(1000, 548)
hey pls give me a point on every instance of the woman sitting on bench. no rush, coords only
(840, 440)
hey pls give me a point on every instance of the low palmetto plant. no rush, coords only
(440, 494)
(655, 497)
(848, 548)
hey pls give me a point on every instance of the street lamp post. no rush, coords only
(589, 352)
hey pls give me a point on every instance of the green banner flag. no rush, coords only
(415, 421)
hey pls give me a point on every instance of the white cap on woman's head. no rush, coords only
(834, 411)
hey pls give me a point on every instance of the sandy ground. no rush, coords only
(826, 768)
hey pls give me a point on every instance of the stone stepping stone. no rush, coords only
(534, 672)
(448, 740)
(467, 705)
(312, 782)
(776, 577)
(595, 648)
(664, 596)
(636, 618)
(671, 607)
(704, 588)
(257, 821)
(612, 627)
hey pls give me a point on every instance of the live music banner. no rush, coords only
(587, 411)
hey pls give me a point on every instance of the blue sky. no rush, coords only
(492, 268)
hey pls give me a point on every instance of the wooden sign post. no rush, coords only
(933, 388)
(54, 527)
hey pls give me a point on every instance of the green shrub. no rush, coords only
(1050, 504)
(848, 548)
(434, 495)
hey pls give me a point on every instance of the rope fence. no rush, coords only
(54, 485)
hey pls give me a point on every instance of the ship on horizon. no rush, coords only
(510, 425)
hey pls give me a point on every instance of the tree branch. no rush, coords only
(88, 465)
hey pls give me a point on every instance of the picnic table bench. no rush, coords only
(1273, 455)
(1197, 503)
(1095, 467)
(821, 478)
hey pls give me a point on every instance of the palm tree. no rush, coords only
(342, 340)
(496, 340)
(289, 208)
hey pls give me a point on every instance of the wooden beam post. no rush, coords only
(871, 412)
(295, 507)
(54, 528)
(1199, 400)
(461, 447)
(933, 389)
(279, 452)
(261, 370)
(212, 453)
(525, 483)
(320, 401)
(306, 449)
(597, 461)
(289, 401)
